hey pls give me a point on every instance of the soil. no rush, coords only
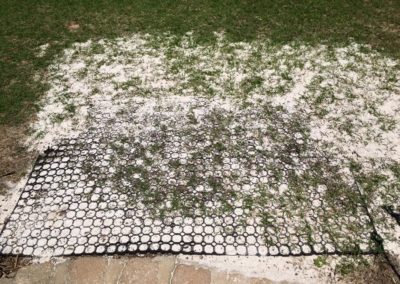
(15, 158)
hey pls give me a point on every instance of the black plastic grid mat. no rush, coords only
(103, 193)
(58, 213)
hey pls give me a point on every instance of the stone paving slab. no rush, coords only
(195, 269)
(158, 270)
(87, 270)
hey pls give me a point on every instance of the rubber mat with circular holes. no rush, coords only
(197, 179)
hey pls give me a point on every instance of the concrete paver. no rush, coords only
(139, 271)
(61, 273)
(185, 274)
(225, 278)
(88, 270)
(115, 268)
(34, 274)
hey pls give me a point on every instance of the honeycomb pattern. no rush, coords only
(185, 181)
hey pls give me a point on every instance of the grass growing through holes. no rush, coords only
(25, 25)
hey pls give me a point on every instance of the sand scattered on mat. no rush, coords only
(351, 93)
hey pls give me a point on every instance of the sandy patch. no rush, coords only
(350, 94)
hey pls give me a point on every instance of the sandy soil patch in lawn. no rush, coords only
(349, 95)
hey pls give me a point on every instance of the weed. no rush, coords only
(320, 261)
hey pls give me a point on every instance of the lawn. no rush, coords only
(25, 25)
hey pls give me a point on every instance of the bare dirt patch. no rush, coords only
(15, 158)
(11, 264)
(73, 26)
(15, 163)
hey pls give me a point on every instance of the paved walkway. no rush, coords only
(172, 269)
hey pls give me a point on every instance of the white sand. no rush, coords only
(358, 93)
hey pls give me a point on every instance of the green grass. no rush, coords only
(27, 24)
